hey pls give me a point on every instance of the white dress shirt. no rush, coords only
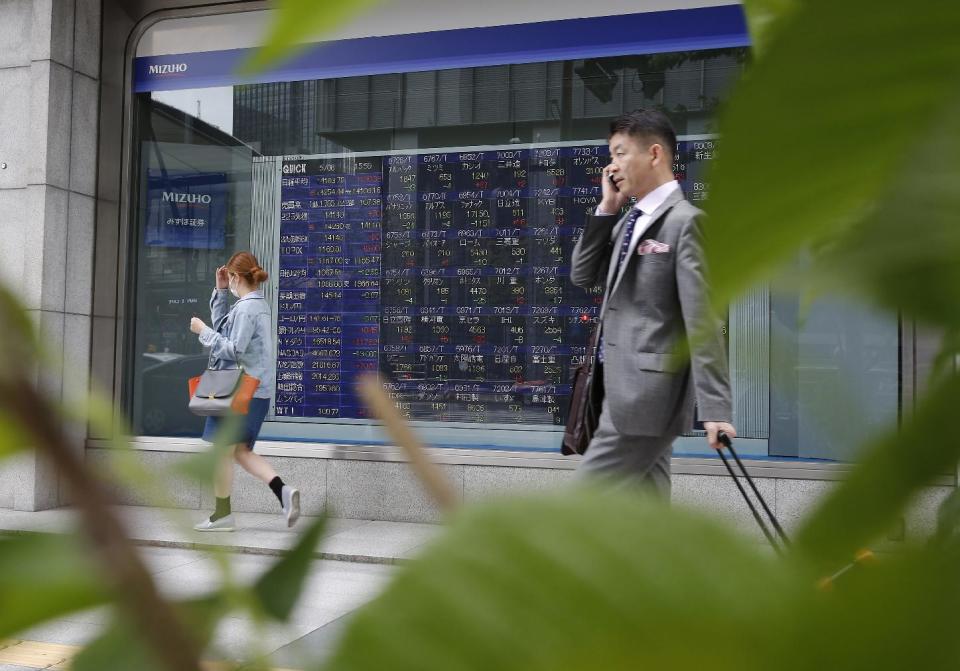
(648, 204)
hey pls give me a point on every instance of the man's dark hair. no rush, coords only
(649, 125)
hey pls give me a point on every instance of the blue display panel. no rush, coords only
(446, 272)
(328, 313)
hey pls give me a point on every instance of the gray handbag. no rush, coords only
(218, 393)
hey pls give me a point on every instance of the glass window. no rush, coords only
(420, 225)
(834, 377)
(193, 208)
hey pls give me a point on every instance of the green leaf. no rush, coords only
(598, 580)
(202, 466)
(588, 580)
(279, 588)
(896, 613)
(20, 353)
(122, 645)
(125, 464)
(43, 576)
(103, 416)
(948, 515)
(580, 579)
(12, 436)
(822, 125)
(903, 255)
(764, 17)
(19, 344)
(296, 22)
(892, 470)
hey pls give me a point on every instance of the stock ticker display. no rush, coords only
(447, 273)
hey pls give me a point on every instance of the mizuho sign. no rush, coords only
(193, 198)
(167, 68)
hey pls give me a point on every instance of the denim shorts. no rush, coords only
(249, 429)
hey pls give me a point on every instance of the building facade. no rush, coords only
(414, 185)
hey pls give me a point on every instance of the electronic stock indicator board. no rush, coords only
(447, 272)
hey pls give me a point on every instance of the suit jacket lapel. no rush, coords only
(655, 216)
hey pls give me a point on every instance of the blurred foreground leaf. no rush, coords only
(589, 580)
(896, 614)
(19, 354)
(202, 466)
(12, 437)
(821, 126)
(296, 22)
(121, 646)
(577, 580)
(279, 588)
(891, 471)
(764, 17)
(948, 515)
(43, 576)
(19, 345)
(905, 255)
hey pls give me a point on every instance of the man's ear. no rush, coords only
(657, 152)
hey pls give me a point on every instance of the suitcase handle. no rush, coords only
(781, 535)
(826, 583)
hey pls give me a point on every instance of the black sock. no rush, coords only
(277, 486)
(222, 509)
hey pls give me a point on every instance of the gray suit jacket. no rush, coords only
(655, 311)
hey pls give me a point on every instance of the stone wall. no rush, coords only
(49, 88)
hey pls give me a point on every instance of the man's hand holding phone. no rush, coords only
(612, 199)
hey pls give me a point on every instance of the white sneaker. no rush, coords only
(291, 504)
(222, 524)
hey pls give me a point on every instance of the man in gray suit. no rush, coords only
(661, 346)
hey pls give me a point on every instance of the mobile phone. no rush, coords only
(613, 183)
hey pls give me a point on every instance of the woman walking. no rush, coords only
(241, 336)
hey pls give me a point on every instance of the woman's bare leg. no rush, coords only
(253, 463)
(258, 467)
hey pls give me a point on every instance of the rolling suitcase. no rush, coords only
(780, 542)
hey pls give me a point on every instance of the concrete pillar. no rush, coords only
(49, 88)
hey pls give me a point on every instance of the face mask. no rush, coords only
(233, 287)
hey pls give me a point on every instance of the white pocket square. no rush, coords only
(651, 246)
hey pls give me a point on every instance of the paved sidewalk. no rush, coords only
(16, 655)
(180, 561)
(361, 541)
(333, 590)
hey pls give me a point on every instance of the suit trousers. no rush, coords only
(627, 461)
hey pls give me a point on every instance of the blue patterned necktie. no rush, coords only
(628, 227)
